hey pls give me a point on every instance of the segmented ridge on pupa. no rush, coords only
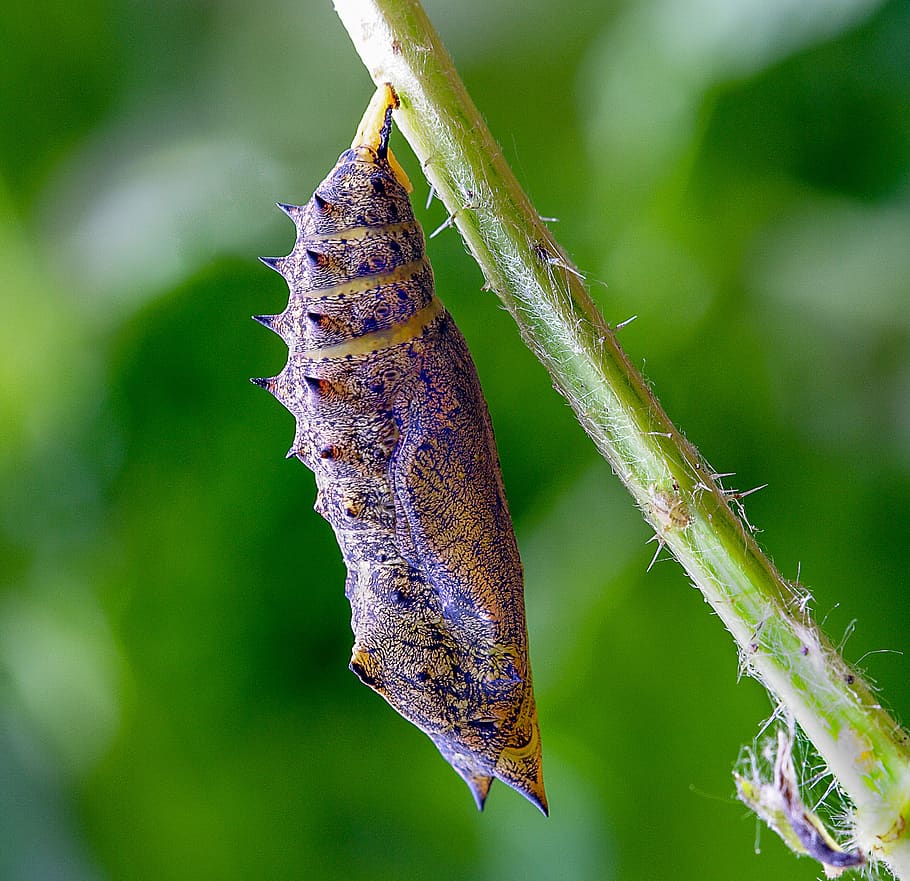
(412, 492)
(354, 269)
(357, 267)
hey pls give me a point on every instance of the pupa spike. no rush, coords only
(266, 320)
(292, 211)
(276, 263)
(479, 784)
(300, 440)
(538, 798)
(267, 384)
(315, 258)
(520, 768)
(319, 319)
(322, 387)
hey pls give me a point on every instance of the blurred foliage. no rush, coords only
(174, 698)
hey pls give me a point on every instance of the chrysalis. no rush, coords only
(392, 420)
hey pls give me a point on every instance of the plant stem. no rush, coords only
(671, 483)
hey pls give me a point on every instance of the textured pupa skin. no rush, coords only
(392, 421)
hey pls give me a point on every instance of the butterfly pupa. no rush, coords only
(391, 419)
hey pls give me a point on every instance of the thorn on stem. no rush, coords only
(442, 226)
(660, 547)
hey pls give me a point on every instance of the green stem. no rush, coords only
(672, 484)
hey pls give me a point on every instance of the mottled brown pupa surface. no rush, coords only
(392, 421)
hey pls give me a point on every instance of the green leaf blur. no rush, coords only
(174, 695)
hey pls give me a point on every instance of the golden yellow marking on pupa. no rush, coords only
(359, 233)
(517, 753)
(370, 282)
(408, 330)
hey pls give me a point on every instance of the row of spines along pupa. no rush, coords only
(315, 260)
(308, 225)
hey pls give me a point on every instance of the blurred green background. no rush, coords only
(174, 695)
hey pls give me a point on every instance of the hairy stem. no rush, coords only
(672, 484)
